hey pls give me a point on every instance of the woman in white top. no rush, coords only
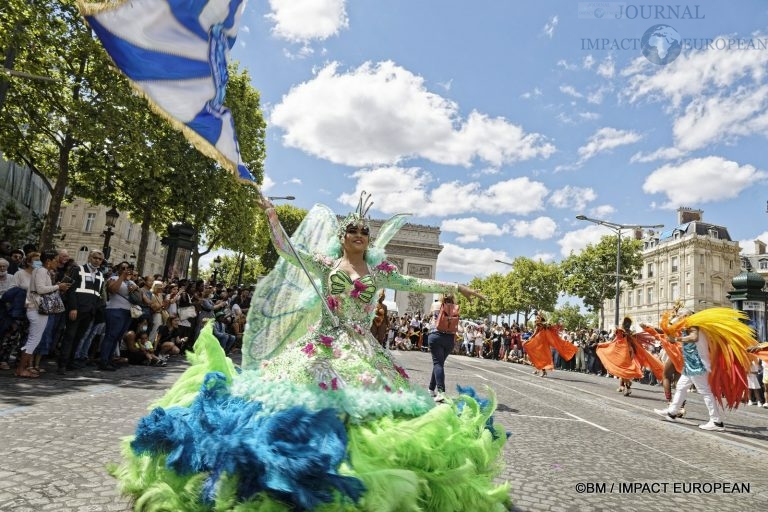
(39, 284)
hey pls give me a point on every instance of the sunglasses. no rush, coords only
(352, 230)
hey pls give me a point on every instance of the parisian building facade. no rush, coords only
(692, 263)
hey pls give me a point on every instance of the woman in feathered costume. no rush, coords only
(715, 359)
(673, 364)
(626, 356)
(539, 346)
(320, 417)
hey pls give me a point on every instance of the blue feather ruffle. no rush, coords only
(484, 404)
(293, 454)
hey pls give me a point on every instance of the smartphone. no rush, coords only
(67, 280)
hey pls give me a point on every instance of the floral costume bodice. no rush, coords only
(338, 352)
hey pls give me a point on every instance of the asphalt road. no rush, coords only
(576, 444)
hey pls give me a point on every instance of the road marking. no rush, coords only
(588, 422)
(541, 417)
(13, 410)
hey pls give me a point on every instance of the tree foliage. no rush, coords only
(591, 274)
(290, 217)
(89, 134)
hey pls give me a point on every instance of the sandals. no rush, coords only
(27, 374)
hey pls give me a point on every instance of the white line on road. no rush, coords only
(588, 422)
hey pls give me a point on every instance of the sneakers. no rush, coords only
(665, 414)
(712, 426)
(765, 405)
(432, 393)
(439, 398)
(680, 414)
(751, 403)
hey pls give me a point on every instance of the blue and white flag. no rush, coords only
(175, 53)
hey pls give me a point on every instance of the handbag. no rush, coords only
(186, 312)
(136, 311)
(49, 303)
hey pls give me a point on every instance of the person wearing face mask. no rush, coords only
(39, 284)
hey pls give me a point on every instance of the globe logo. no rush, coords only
(599, 12)
(661, 44)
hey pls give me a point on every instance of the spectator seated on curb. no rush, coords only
(140, 350)
(220, 324)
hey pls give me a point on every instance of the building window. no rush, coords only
(90, 218)
(701, 288)
(701, 259)
(128, 231)
(713, 233)
(82, 254)
(674, 291)
(639, 297)
(649, 296)
(674, 265)
(629, 299)
(687, 288)
(650, 270)
(763, 265)
(58, 221)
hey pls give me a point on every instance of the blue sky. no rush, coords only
(498, 122)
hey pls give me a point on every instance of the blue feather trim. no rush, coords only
(484, 404)
(292, 454)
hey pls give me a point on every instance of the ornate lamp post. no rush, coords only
(179, 242)
(216, 266)
(617, 228)
(112, 215)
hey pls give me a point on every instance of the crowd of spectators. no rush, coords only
(112, 316)
(505, 342)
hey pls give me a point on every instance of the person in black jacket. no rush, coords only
(82, 300)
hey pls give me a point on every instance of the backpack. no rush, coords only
(448, 318)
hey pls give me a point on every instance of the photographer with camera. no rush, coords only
(117, 313)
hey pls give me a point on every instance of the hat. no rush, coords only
(219, 313)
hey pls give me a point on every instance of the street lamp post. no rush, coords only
(216, 265)
(112, 215)
(617, 228)
(287, 198)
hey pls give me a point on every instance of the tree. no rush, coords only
(50, 126)
(476, 309)
(290, 217)
(535, 285)
(591, 274)
(571, 317)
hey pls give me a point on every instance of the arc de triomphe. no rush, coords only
(414, 250)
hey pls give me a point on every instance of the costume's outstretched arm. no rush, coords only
(397, 281)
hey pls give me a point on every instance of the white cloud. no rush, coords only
(693, 73)
(607, 68)
(446, 85)
(565, 65)
(382, 114)
(267, 183)
(540, 228)
(702, 180)
(589, 61)
(722, 117)
(570, 91)
(472, 262)
(602, 211)
(294, 181)
(575, 198)
(748, 245)
(549, 27)
(302, 53)
(605, 139)
(659, 154)
(303, 20)
(576, 241)
(596, 96)
(544, 257)
(397, 189)
(589, 116)
(530, 94)
(471, 229)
